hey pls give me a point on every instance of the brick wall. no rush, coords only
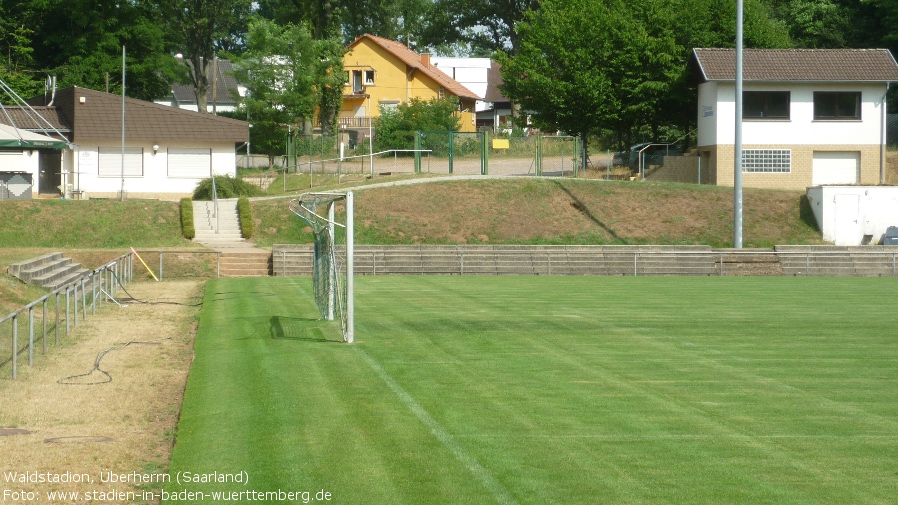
(800, 177)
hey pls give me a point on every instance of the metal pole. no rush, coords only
(370, 137)
(44, 322)
(56, 330)
(160, 265)
(30, 336)
(75, 302)
(67, 298)
(737, 144)
(122, 196)
(83, 300)
(15, 346)
(350, 269)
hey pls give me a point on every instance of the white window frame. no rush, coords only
(110, 162)
(368, 77)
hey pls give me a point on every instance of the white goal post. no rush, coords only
(333, 259)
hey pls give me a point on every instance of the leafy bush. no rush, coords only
(245, 211)
(227, 186)
(396, 128)
(187, 226)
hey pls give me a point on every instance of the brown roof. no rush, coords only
(37, 119)
(493, 81)
(413, 60)
(808, 65)
(225, 86)
(99, 117)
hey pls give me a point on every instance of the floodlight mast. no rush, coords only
(737, 141)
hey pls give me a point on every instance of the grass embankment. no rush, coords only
(557, 211)
(508, 211)
(488, 390)
(90, 224)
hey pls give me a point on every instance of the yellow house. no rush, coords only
(384, 73)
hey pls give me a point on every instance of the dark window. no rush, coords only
(765, 104)
(357, 82)
(837, 105)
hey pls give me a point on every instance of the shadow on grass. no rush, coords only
(304, 329)
(581, 207)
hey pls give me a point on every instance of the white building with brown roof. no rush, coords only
(810, 116)
(167, 150)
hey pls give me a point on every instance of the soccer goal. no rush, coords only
(333, 259)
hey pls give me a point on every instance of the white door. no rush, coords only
(848, 227)
(836, 168)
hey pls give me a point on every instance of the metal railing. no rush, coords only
(597, 260)
(183, 263)
(91, 291)
(215, 204)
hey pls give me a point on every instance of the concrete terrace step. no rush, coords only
(245, 264)
(50, 271)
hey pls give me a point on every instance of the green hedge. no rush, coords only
(245, 211)
(187, 226)
(226, 186)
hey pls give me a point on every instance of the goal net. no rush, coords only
(333, 255)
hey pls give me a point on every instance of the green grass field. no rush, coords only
(537, 390)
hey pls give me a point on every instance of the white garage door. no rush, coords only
(189, 163)
(836, 168)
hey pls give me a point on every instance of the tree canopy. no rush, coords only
(287, 74)
(611, 67)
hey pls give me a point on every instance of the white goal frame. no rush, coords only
(299, 208)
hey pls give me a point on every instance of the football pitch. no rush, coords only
(537, 390)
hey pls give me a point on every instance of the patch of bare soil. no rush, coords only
(87, 425)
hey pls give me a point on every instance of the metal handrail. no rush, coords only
(578, 259)
(215, 204)
(104, 279)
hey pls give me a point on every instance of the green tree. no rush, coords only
(392, 19)
(16, 62)
(201, 27)
(81, 41)
(287, 74)
(489, 24)
(396, 127)
(594, 66)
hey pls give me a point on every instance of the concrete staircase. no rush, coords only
(228, 222)
(247, 263)
(50, 271)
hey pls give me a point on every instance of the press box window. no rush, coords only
(837, 105)
(765, 105)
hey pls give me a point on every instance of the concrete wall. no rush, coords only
(854, 215)
(677, 169)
